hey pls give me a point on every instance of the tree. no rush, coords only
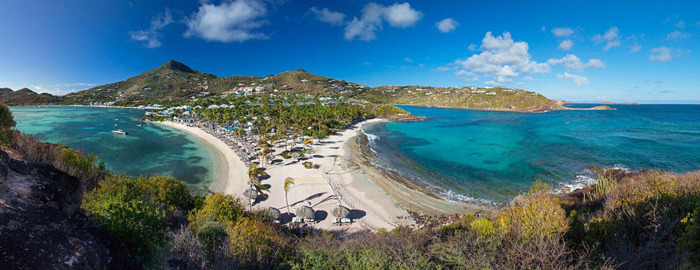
(254, 174)
(7, 122)
(288, 182)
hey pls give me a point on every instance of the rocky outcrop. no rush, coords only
(41, 224)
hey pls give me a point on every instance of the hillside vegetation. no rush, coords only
(176, 81)
(26, 96)
(495, 99)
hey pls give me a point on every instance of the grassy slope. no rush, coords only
(503, 99)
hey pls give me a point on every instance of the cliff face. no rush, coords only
(42, 227)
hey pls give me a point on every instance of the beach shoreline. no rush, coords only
(410, 194)
(338, 181)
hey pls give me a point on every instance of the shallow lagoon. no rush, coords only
(150, 149)
(480, 156)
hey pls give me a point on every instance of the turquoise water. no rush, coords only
(478, 156)
(150, 149)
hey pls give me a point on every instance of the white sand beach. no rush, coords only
(338, 181)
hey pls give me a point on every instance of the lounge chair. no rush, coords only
(296, 220)
(277, 221)
(346, 220)
(310, 220)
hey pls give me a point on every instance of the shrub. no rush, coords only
(484, 227)
(690, 240)
(140, 224)
(254, 243)
(7, 122)
(217, 207)
(308, 164)
(211, 237)
(135, 209)
(165, 190)
(537, 217)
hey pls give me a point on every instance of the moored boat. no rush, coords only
(120, 132)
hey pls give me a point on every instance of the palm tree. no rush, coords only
(254, 174)
(287, 185)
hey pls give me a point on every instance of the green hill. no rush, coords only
(176, 81)
(25, 96)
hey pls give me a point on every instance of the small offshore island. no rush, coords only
(290, 155)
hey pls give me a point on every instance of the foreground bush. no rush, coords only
(135, 209)
(256, 244)
(219, 208)
(7, 122)
(637, 219)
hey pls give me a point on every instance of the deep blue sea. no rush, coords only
(480, 156)
(150, 149)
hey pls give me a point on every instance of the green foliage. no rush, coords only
(223, 209)
(254, 243)
(484, 227)
(537, 217)
(140, 224)
(7, 122)
(211, 236)
(135, 209)
(690, 240)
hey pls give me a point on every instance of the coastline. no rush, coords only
(406, 192)
(338, 181)
(534, 110)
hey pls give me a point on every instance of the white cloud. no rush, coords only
(153, 34)
(502, 58)
(61, 89)
(402, 15)
(573, 62)
(373, 14)
(611, 38)
(492, 83)
(680, 24)
(562, 31)
(328, 16)
(447, 25)
(230, 21)
(442, 69)
(566, 45)
(677, 35)
(472, 47)
(528, 78)
(466, 76)
(578, 79)
(367, 63)
(661, 54)
(408, 60)
(635, 48)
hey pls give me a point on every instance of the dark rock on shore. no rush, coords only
(41, 224)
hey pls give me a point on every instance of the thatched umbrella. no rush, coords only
(305, 212)
(340, 211)
(251, 193)
(273, 212)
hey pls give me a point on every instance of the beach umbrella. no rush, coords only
(251, 193)
(305, 212)
(340, 211)
(273, 212)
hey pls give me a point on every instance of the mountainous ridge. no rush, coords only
(25, 96)
(174, 80)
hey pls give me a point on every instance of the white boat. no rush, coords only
(120, 132)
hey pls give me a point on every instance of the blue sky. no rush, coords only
(644, 51)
